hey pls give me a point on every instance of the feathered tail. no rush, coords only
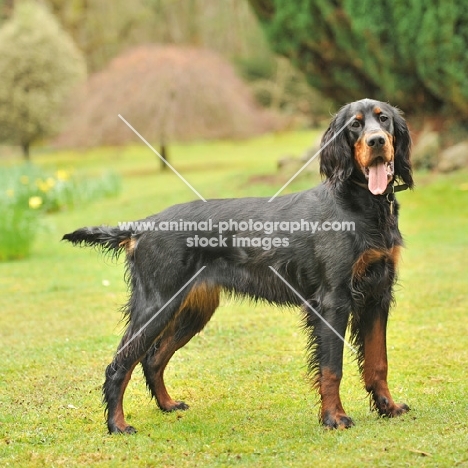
(109, 239)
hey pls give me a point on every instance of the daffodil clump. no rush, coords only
(27, 192)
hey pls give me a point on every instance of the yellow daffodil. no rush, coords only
(10, 193)
(35, 202)
(42, 185)
(62, 175)
(50, 182)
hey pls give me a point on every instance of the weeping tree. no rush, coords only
(39, 64)
(168, 94)
(409, 52)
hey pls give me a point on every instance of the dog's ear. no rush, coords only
(402, 146)
(336, 157)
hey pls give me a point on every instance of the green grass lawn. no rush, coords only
(245, 375)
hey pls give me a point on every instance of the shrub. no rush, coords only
(410, 52)
(168, 93)
(39, 65)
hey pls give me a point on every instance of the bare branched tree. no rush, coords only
(168, 93)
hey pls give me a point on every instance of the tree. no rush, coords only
(167, 93)
(410, 52)
(39, 65)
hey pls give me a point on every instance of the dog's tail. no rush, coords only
(110, 240)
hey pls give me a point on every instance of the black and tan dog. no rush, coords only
(338, 278)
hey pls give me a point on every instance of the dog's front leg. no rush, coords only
(326, 342)
(375, 367)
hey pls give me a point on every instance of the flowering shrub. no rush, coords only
(27, 192)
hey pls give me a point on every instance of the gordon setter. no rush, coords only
(337, 277)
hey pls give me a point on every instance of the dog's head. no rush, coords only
(368, 140)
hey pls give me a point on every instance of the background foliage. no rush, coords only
(29, 191)
(168, 93)
(39, 64)
(410, 52)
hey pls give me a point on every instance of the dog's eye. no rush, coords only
(356, 124)
(383, 118)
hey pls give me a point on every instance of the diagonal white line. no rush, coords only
(352, 348)
(160, 157)
(161, 309)
(312, 158)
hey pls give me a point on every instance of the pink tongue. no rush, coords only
(377, 179)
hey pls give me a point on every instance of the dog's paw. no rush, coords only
(114, 429)
(390, 409)
(336, 420)
(175, 406)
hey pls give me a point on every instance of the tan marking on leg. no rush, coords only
(118, 417)
(375, 371)
(202, 301)
(202, 298)
(332, 413)
(329, 389)
(129, 245)
(395, 255)
(366, 259)
(375, 359)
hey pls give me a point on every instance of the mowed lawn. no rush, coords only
(245, 376)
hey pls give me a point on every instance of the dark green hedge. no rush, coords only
(413, 53)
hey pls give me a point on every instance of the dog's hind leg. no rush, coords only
(137, 340)
(193, 315)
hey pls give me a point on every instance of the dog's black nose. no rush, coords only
(376, 141)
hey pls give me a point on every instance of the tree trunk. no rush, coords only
(26, 151)
(163, 153)
(7, 9)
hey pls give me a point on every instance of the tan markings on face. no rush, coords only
(365, 155)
